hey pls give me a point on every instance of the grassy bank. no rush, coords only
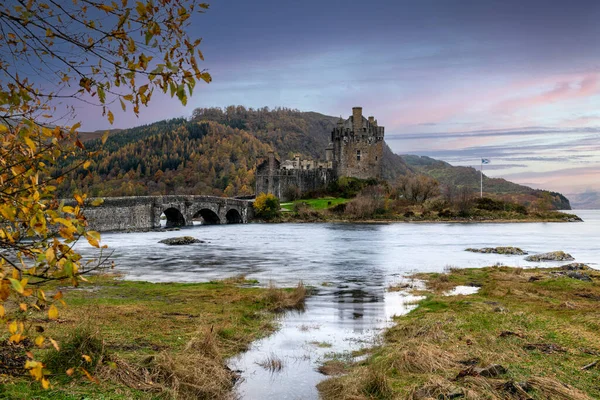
(329, 209)
(150, 340)
(539, 327)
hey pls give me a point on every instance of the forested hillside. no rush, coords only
(172, 157)
(217, 150)
(469, 178)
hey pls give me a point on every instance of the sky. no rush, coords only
(515, 81)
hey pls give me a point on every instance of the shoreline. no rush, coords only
(524, 333)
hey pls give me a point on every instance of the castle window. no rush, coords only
(375, 158)
(357, 155)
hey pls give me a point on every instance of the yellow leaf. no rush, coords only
(70, 371)
(30, 144)
(56, 346)
(104, 137)
(86, 358)
(79, 199)
(52, 312)
(50, 255)
(39, 341)
(75, 127)
(45, 383)
(87, 164)
(2, 312)
(23, 307)
(111, 117)
(97, 202)
(105, 7)
(94, 234)
(16, 338)
(16, 285)
(88, 375)
(58, 295)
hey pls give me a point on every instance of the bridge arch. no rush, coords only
(233, 216)
(208, 216)
(174, 217)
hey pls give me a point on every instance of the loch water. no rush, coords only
(351, 265)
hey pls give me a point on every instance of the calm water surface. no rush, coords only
(350, 264)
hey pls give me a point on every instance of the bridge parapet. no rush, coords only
(144, 212)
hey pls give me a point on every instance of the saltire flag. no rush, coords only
(485, 160)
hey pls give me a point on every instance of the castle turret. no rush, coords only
(357, 121)
(357, 146)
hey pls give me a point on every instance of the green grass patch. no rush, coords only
(316, 204)
(130, 322)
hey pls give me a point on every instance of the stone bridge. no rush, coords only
(144, 212)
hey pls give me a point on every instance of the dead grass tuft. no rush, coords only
(332, 367)
(282, 299)
(198, 372)
(272, 363)
(553, 389)
(421, 358)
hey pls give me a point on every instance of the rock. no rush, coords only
(547, 348)
(177, 241)
(579, 275)
(499, 250)
(511, 333)
(552, 256)
(574, 267)
(574, 275)
(535, 278)
(491, 371)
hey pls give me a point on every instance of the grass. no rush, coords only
(316, 204)
(152, 340)
(272, 363)
(543, 332)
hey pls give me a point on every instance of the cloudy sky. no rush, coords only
(515, 81)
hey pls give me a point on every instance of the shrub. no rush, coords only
(292, 193)
(266, 206)
(369, 202)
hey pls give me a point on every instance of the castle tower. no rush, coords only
(357, 146)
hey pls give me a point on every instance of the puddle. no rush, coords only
(464, 290)
(334, 325)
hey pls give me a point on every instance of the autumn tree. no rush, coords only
(267, 206)
(55, 56)
(417, 188)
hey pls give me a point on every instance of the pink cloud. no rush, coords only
(563, 91)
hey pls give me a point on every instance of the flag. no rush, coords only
(485, 161)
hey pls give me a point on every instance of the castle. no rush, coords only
(356, 150)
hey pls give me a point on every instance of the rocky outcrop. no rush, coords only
(499, 250)
(552, 256)
(178, 241)
(574, 267)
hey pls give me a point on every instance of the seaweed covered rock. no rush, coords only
(552, 256)
(178, 241)
(499, 250)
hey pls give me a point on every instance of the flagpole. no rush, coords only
(481, 176)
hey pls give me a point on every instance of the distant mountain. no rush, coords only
(469, 178)
(589, 200)
(217, 150)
